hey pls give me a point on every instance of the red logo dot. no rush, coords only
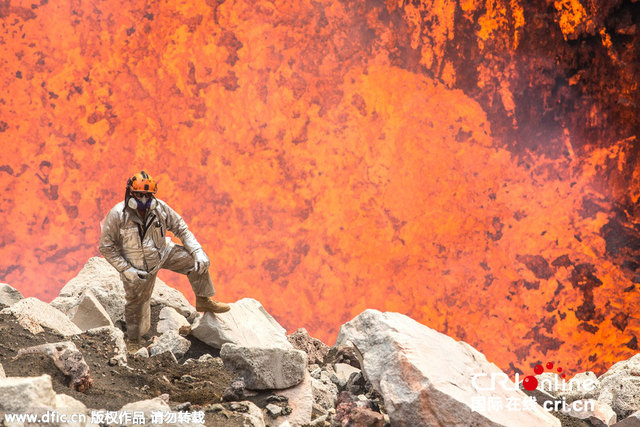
(559, 369)
(538, 369)
(549, 365)
(530, 383)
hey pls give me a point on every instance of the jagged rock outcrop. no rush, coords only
(425, 377)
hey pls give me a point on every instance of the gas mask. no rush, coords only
(144, 203)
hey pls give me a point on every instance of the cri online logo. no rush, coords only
(484, 382)
(531, 383)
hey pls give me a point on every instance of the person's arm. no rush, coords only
(179, 228)
(110, 246)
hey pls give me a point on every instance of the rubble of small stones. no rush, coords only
(385, 369)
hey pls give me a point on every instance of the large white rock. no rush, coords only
(170, 320)
(21, 394)
(620, 387)
(425, 377)
(301, 402)
(43, 314)
(265, 368)
(9, 295)
(247, 324)
(104, 281)
(89, 313)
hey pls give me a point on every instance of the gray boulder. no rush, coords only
(265, 368)
(170, 320)
(247, 324)
(104, 281)
(9, 295)
(43, 314)
(620, 387)
(89, 313)
(428, 379)
(170, 341)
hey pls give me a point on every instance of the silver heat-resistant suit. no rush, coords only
(129, 241)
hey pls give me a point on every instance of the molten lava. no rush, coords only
(461, 162)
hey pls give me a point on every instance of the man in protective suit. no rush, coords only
(134, 240)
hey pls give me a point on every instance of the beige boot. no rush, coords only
(210, 304)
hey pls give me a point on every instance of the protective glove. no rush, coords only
(201, 261)
(134, 275)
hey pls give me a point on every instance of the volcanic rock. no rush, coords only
(89, 313)
(9, 295)
(170, 341)
(300, 400)
(343, 372)
(68, 359)
(425, 377)
(315, 349)
(142, 352)
(265, 368)
(2, 374)
(105, 283)
(116, 336)
(349, 413)
(247, 324)
(252, 416)
(171, 320)
(22, 394)
(235, 391)
(342, 354)
(600, 416)
(324, 392)
(44, 315)
(620, 387)
(632, 420)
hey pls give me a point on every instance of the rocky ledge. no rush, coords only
(67, 363)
